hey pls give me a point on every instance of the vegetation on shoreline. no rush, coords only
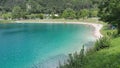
(109, 12)
(48, 9)
(47, 6)
(89, 20)
(105, 53)
(6, 21)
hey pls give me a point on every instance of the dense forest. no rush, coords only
(28, 7)
(47, 6)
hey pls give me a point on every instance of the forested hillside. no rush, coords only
(47, 6)
(7, 5)
(32, 9)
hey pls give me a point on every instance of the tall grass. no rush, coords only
(79, 60)
(102, 43)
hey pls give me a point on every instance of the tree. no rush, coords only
(48, 6)
(31, 16)
(78, 15)
(33, 6)
(34, 16)
(7, 16)
(109, 12)
(69, 14)
(84, 13)
(17, 12)
(93, 13)
(41, 16)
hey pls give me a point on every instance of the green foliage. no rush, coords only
(7, 16)
(34, 16)
(92, 57)
(84, 13)
(17, 12)
(7, 5)
(93, 13)
(41, 16)
(102, 43)
(109, 12)
(27, 7)
(75, 61)
(69, 14)
(47, 6)
(33, 6)
(105, 58)
(112, 34)
(78, 15)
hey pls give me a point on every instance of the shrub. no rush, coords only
(41, 16)
(69, 14)
(113, 34)
(7, 16)
(102, 43)
(34, 16)
(75, 60)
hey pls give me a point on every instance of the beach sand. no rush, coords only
(97, 26)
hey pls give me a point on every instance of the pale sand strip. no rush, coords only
(97, 27)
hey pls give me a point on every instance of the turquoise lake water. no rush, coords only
(29, 45)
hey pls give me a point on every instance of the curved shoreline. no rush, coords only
(97, 27)
(96, 33)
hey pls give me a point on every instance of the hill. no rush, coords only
(47, 6)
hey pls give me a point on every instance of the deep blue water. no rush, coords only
(25, 45)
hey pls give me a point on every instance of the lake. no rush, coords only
(42, 45)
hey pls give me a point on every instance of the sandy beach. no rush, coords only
(97, 26)
(97, 29)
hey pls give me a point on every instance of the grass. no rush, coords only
(105, 58)
(6, 21)
(91, 20)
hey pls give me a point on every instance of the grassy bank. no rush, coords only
(104, 58)
(91, 20)
(7, 21)
(108, 57)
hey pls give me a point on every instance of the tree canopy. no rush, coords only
(47, 6)
(17, 12)
(109, 12)
(69, 14)
(21, 9)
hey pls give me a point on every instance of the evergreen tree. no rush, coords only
(69, 14)
(84, 13)
(109, 12)
(17, 12)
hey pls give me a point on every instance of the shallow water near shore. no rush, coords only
(43, 45)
